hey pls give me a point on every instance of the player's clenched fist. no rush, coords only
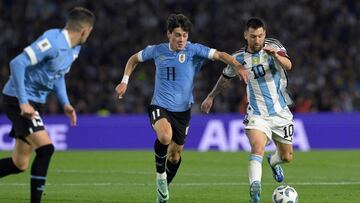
(207, 104)
(121, 89)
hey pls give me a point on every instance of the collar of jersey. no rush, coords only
(246, 50)
(174, 50)
(67, 37)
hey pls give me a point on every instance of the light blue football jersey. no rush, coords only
(175, 73)
(266, 89)
(50, 56)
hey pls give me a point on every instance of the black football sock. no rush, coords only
(171, 170)
(39, 170)
(160, 156)
(7, 167)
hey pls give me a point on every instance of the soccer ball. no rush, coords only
(284, 194)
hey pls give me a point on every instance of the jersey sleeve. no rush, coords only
(147, 53)
(17, 70)
(204, 51)
(281, 50)
(41, 49)
(229, 72)
(60, 91)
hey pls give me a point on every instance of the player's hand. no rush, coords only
(207, 104)
(243, 73)
(27, 111)
(121, 89)
(71, 113)
(270, 50)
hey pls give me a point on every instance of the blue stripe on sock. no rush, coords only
(161, 157)
(255, 158)
(38, 177)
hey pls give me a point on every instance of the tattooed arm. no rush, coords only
(221, 85)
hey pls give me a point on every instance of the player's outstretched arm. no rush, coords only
(221, 85)
(129, 68)
(230, 60)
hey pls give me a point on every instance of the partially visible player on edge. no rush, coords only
(177, 63)
(35, 72)
(268, 116)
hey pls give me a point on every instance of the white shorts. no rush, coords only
(279, 127)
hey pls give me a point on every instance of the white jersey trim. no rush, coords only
(139, 56)
(211, 53)
(30, 52)
(67, 37)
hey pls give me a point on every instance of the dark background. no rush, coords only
(322, 39)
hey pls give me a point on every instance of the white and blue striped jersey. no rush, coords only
(43, 65)
(175, 73)
(267, 84)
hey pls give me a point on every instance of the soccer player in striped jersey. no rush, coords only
(177, 64)
(268, 117)
(35, 72)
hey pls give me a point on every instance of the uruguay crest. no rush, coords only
(181, 58)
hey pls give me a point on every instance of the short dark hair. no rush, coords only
(79, 17)
(255, 23)
(178, 20)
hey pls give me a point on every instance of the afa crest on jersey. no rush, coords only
(181, 58)
(255, 60)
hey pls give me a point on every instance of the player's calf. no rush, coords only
(8, 167)
(39, 171)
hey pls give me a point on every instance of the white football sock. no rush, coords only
(275, 158)
(255, 168)
(161, 175)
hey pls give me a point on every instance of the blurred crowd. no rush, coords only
(322, 39)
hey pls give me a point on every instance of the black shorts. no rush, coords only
(179, 121)
(21, 126)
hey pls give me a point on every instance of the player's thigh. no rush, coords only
(160, 121)
(21, 154)
(180, 126)
(174, 151)
(257, 140)
(163, 130)
(282, 129)
(282, 134)
(39, 138)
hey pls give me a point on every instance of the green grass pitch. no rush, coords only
(209, 177)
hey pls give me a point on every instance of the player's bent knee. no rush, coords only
(258, 150)
(287, 157)
(22, 165)
(164, 139)
(21, 162)
(45, 151)
(174, 158)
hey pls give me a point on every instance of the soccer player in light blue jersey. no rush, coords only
(268, 116)
(177, 63)
(37, 71)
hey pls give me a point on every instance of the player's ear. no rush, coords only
(168, 34)
(246, 34)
